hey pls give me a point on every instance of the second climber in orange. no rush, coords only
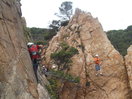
(97, 62)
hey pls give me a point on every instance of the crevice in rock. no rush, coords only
(7, 20)
(128, 80)
(85, 65)
(6, 3)
(99, 87)
(88, 79)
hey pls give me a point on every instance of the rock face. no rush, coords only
(86, 34)
(128, 61)
(17, 80)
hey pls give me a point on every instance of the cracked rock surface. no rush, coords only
(128, 62)
(17, 80)
(86, 34)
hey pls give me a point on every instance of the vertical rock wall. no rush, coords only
(128, 61)
(17, 80)
(86, 34)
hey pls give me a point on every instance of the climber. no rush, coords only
(44, 70)
(97, 62)
(34, 53)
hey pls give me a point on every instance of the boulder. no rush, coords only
(86, 34)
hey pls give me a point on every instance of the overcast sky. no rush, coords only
(112, 14)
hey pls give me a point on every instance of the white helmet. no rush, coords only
(96, 55)
(30, 43)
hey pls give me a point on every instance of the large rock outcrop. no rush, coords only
(17, 80)
(86, 34)
(128, 61)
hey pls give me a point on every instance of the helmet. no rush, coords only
(30, 43)
(96, 55)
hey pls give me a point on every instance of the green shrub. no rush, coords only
(62, 57)
(59, 77)
(65, 76)
(41, 42)
(64, 45)
(49, 35)
(52, 89)
(121, 39)
(73, 51)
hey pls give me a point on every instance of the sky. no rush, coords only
(112, 14)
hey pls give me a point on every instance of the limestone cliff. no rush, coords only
(17, 80)
(128, 61)
(86, 34)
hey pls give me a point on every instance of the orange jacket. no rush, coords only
(97, 60)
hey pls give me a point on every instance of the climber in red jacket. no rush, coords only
(34, 54)
(34, 51)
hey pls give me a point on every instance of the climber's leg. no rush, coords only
(97, 67)
(35, 68)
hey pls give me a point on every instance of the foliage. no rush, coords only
(62, 57)
(52, 88)
(55, 25)
(27, 34)
(65, 76)
(49, 35)
(121, 39)
(64, 23)
(129, 28)
(41, 42)
(35, 30)
(41, 34)
(65, 13)
(64, 45)
(66, 10)
(57, 78)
